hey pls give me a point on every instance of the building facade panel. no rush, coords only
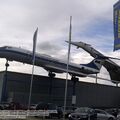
(52, 90)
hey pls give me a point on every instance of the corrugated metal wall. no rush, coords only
(52, 90)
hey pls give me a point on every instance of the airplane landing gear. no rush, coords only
(6, 64)
(51, 75)
(74, 79)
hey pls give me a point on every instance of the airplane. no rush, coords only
(51, 64)
(112, 67)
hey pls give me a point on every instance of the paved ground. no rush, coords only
(33, 118)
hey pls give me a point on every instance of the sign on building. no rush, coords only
(116, 21)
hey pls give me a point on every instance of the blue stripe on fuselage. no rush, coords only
(91, 64)
(46, 59)
(43, 58)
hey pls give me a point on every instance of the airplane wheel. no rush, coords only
(7, 64)
(51, 75)
(74, 79)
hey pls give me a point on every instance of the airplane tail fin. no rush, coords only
(96, 63)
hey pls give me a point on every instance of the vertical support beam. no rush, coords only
(96, 79)
(51, 76)
(117, 84)
(50, 89)
(4, 88)
(74, 81)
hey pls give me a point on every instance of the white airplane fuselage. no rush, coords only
(47, 62)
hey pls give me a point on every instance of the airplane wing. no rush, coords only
(112, 68)
(64, 70)
(76, 73)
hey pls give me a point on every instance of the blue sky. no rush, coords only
(102, 28)
(98, 29)
(92, 23)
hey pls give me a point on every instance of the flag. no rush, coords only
(34, 43)
(116, 22)
(70, 32)
(33, 61)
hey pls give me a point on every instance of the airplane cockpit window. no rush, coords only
(6, 47)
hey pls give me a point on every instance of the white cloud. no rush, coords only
(19, 19)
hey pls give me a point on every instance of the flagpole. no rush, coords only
(33, 63)
(66, 83)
